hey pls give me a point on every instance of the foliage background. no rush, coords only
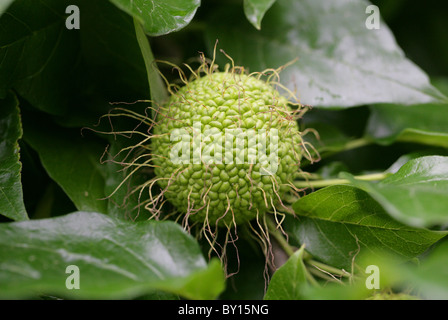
(377, 101)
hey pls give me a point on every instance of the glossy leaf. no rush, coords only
(425, 124)
(255, 10)
(11, 195)
(422, 123)
(160, 17)
(340, 62)
(416, 194)
(116, 259)
(289, 280)
(338, 222)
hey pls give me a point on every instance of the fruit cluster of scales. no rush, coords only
(238, 188)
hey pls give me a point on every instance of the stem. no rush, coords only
(272, 228)
(328, 268)
(289, 250)
(310, 278)
(358, 143)
(330, 182)
(323, 275)
(325, 153)
(157, 87)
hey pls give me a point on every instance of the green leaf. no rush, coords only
(160, 17)
(38, 54)
(337, 291)
(116, 259)
(73, 74)
(255, 10)
(114, 62)
(111, 70)
(289, 280)
(71, 161)
(340, 61)
(430, 277)
(426, 278)
(422, 123)
(338, 222)
(248, 266)
(416, 194)
(11, 195)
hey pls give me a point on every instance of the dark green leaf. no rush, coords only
(38, 53)
(114, 62)
(116, 259)
(11, 196)
(122, 202)
(337, 222)
(289, 280)
(160, 17)
(71, 161)
(247, 264)
(416, 194)
(340, 62)
(111, 70)
(255, 10)
(426, 124)
(422, 123)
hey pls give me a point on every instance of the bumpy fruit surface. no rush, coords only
(237, 189)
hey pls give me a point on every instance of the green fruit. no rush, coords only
(224, 186)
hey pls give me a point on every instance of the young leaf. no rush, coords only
(11, 196)
(115, 259)
(416, 194)
(338, 222)
(340, 61)
(289, 280)
(255, 10)
(160, 17)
